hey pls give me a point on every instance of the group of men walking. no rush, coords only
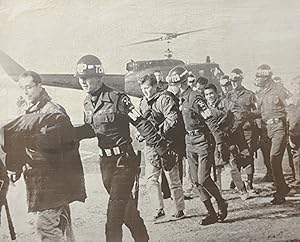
(174, 121)
(220, 129)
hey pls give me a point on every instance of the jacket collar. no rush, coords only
(154, 97)
(39, 103)
(100, 96)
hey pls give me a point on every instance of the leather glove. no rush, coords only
(169, 160)
(127, 160)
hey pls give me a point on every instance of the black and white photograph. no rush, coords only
(149, 121)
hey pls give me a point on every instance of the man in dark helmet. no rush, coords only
(199, 123)
(107, 114)
(246, 100)
(272, 110)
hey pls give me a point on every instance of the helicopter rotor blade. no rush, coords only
(145, 41)
(166, 33)
(198, 30)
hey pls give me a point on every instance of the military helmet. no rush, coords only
(264, 70)
(236, 74)
(263, 75)
(89, 66)
(177, 74)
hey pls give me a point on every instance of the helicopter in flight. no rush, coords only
(128, 81)
(166, 36)
(137, 69)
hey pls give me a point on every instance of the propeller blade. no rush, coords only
(145, 41)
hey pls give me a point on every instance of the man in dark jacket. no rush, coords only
(53, 174)
(44, 147)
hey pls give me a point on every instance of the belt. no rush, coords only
(274, 120)
(114, 151)
(195, 132)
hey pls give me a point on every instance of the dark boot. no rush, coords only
(211, 217)
(222, 213)
(232, 185)
(249, 185)
(267, 178)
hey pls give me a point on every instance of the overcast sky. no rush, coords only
(49, 36)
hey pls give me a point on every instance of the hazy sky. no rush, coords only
(49, 36)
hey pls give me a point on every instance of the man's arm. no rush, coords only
(84, 131)
(169, 109)
(145, 127)
(210, 117)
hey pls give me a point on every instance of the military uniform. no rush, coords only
(231, 122)
(162, 110)
(200, 152)
(265, 147)
(246, 100)
(107, 114)
(294, 133)
(202, 131)
(271, 105)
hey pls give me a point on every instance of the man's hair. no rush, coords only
(191, 75)
(149, 77)
(211, 86)
(159, 71)
(202, 80)
(226, 77)
(36, 78)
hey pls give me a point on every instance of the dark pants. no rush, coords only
(250, 139)
(121, 206)
(265, 147)
(200, 164)
(296, 155)
(277, 135)
(164, 182)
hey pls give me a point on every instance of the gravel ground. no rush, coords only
(251, 220)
